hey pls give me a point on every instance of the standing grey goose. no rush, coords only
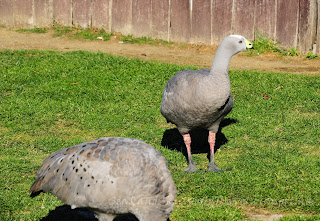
(110, 176)
(201, 99)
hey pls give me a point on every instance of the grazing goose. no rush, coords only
(201, 99)
(110, 176)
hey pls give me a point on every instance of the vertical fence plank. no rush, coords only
(265, 18)
(6, 12)
(23, 13)
(307, 25)
(42, 13)
(201, 22)
(244, 18)
(221, 19)
(81, 13)
(62, 12)
(180, 26)
(287, 22)
(100, 14)
(141, 17)
(121, 16)
(160, 18)
(318, 28)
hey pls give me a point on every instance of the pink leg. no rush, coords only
(191, 165)
(211, 140)
(187, 142)
(212, 165)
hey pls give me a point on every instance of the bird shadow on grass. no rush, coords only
(65, 213)
(173, 140)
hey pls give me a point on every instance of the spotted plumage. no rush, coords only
(110, 176)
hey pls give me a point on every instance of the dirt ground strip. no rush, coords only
(198, 55)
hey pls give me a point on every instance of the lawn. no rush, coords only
(52, 100)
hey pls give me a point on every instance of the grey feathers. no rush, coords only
(110, 175)
(194, 99)
(200, 99)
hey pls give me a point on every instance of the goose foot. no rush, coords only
(212, 167)
(191, 168)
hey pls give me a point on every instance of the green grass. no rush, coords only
(90, 34)
(263, 44)
(52, 100)
(33, 30)
(143, 40)
(78, 33)
(96, 34)
(93, 34)
(62, 30)
(291, 52)
(310, 55)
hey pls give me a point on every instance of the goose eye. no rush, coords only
(240, 42)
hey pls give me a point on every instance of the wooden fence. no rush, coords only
(292, 22)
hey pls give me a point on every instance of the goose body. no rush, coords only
(201, 99)
(110, 176)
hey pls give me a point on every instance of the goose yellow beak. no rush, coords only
(249, 45)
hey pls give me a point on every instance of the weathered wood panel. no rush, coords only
(180, 22)
(287, 22)
(307, 25)
(201, 22)
(265, 18)
(100, 14)
(141, 17)
(221, 19)
(292, 22)
(42, 13)
(62, 12)
(6, 12)
(160, 19)
(243, 23)
(23, 13)
(81, 13)
(318, 32)
(121, 16)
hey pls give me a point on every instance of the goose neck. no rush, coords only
(221, 61)
(220, 66)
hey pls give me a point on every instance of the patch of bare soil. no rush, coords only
(261, 214)
(198, 55)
